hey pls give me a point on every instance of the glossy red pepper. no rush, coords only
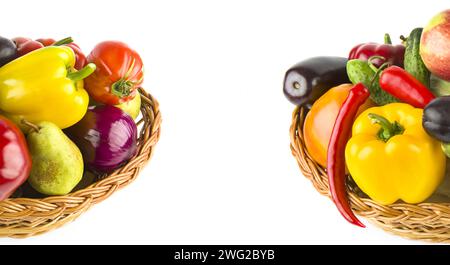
(336, 150)
(394, 54)
(405, 87)
(15, 160)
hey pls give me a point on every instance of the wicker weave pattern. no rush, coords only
(22, 217)
(424, 221)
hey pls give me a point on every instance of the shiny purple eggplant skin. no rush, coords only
(8, 51)
(309, 79)
(436, 118)
(106, 137)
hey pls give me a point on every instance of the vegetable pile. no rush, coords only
(381, 116)
(65, 116)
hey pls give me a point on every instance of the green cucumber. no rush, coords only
(359, 71)
(413, 62)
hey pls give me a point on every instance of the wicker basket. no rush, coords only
(424, 221)
(24, 217)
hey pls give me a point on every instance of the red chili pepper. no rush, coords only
(336, 150)
(394, 54)
(405, 87)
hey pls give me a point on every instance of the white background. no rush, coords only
(222, 172)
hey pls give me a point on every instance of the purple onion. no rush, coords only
(106, 137)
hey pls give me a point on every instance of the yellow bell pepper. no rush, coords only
(44, 86)
(391, 157)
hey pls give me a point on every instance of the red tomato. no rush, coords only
(119, 73)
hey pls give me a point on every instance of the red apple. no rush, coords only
(435, 45)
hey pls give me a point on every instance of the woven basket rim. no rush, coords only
(429, 221)
(24, 217)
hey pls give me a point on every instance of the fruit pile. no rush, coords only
(380, 116)
(65, 118)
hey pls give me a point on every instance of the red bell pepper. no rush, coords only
(336, 150)
(393, 54)
(405, 87)
(15, 160)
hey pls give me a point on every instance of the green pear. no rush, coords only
(57, 162)
(132, 107)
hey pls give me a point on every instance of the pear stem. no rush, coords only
(30, 125)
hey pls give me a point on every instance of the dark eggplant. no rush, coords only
(106, 136)
(8, 51)
(436, 118)
(306, 81)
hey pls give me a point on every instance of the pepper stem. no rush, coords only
(388, 129)
(387, 39)
(82, 73)
(63, 41)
